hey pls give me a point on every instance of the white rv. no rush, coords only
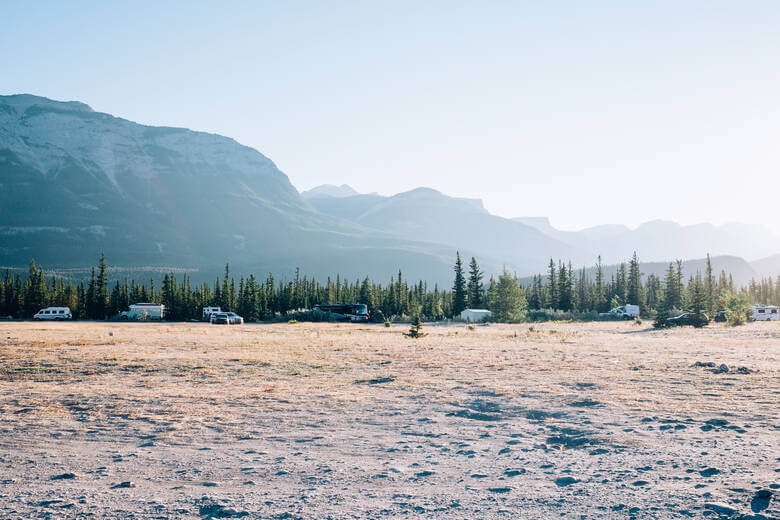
(54, 313)
(624, 312)
(144, 311)
(766, 313)
(208, 311)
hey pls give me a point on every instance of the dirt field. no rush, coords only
(599, 420)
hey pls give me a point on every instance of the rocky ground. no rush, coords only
(598, 420)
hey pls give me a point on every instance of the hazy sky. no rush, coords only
(588, 112)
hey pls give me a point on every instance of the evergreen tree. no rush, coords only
(635, 296)
(552, 286)
(508, 303)
(458, 288)
(599, 295)
(709, 286)
(475, 287)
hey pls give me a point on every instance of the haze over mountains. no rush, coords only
(74, 182)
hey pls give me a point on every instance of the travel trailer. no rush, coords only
(475, 315)
(208, 311)
(54, 313)
(766, 312)
(144, 311)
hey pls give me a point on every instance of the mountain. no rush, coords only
(767, 267)
(427, 215)
(328, 191)
(74, 182)
(660, 240)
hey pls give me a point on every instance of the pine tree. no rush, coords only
(475, 288)
(599, 296)
(635, 296)
(415, 331)
(709, 286)
(552, 286)
(458, 288)
(698, 302)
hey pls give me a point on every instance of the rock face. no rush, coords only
(74, 182)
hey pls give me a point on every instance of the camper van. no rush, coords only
(144, 311)
(54, 313)
(766, 313)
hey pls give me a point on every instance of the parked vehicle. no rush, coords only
(226, 318)
(208, 311)
(689, 318)
(766, 313)
(624, 312)
(721, 316)
(54, 313)
(144, 311)
(355, 312)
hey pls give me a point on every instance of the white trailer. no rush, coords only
(475, 315)
(144, 311)
(208, 311)
(766, 313)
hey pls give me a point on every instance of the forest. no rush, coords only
(560, 293)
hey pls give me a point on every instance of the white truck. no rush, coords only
(144, 311)
(624, 312)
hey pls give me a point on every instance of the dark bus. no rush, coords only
(345, 311)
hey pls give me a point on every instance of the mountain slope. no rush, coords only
(75, 182)
(328, 191)
(660, 240)
(427, 215)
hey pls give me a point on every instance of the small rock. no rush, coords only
(709, 472)
(565, 481)
(708, 364)
(64, 476)
(125, 484)
(722, 369)
(721, 509)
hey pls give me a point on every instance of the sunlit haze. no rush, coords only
(586, 112)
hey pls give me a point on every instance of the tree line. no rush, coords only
(561, 289)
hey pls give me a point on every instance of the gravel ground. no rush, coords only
(597, 420)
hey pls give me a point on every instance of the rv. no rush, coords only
(624, 312)
(345, 312)
(54, 313)
(208, 311)
(144, 311)
(766, 313)
(475, 315)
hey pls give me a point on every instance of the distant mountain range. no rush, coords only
(74, 182)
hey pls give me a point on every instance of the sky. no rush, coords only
(586, 112)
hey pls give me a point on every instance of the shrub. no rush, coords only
(387, 323)
(737, 307)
